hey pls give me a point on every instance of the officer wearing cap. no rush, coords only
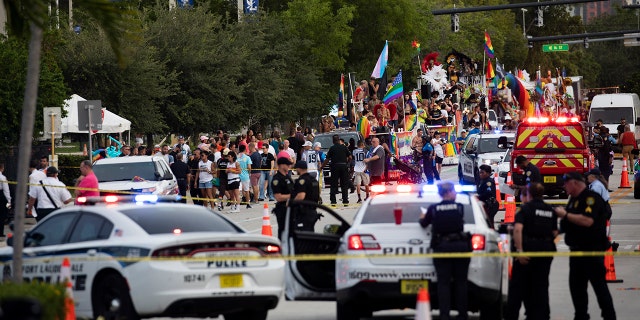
(536, 226)
(531, 174)
(305, 188)
(282, 186)
(487, 193)
(584, 224)
(447, 218)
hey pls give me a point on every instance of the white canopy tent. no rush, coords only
(111, 123)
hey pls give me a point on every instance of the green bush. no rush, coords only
(50, 296)
(69, 166)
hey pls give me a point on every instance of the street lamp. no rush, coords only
(524, 30)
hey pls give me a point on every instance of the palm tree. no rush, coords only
(33, 13)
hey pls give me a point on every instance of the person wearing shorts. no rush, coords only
(233, 181)
(221, 166)
(245, 167)
(204, 176)
(360, 177)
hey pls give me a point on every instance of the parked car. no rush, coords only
(135, 175)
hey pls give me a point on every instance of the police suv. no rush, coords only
(146, 258)
(479, 149)
(366, 267)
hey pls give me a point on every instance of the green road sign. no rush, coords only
(555, 47)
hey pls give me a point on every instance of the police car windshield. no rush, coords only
(161, 220)
(610, 115)
(327, 140)
(383, 212)
(487, 145)
(124, 171)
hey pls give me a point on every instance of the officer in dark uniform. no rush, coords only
(282, 186)
(339, 156)
(584, 224)
(306, 188)
(531, 174)
(181, 170)
(191, 179)
(447, 218)
(487, 193)
(536, 226)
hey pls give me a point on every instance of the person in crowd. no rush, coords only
(536, 227)
(508, 124)
(628, 141)
(311, 157)
(184, 148)
(126, 151)
(583, 221)
(620, 127)
(305, 188)
(375, 162)
(223, 181)
(51, 194)
(181, 171)
(194, 166)
(361, 178)
(605, 153)
(437, 143)
(531, 174)
(447, 220)
(233, 181)
(5, 200)
(282, 186)
(267, 166)
(428, 158)
(256, 160)
(87, 183)
(44, 164)
(245, 179)
(204, 176)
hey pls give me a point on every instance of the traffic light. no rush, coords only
(455, 22)
(540, 17)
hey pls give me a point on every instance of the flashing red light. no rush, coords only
(403, 188)
(378, 188)
(111, 199)
(177, 231)
(477, 242)
(272, 249)
(81, 199)
(362, 242)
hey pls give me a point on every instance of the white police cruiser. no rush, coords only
(479, 149)
(135, 175)
(370, 275)
(145, 259)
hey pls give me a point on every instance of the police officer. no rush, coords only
(428, 157)
(536, 226)
(447, 218)
(584, 224)
(339, 156)
(282, 186)
(181, 171)
(487, 192)
(305, 188)
(531, 174)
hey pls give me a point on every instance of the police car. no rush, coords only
(368, 272)
(147, 258)
(133, 175)
(479, 149)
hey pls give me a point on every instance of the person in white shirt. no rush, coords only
(360, 176)
(35, 175)
(312, 158)
(51, 194)
(5, 199)
(437, 148)
(184, 148)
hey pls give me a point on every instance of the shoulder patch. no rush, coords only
(528, 173)
(488, 183)
(275, 182)
(590, 201)
(301, 182)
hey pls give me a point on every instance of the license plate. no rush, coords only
(549, 179)
(231, 281)
(412, 286)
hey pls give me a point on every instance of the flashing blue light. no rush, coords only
(497, 131)
(432, 188)
(146, 198)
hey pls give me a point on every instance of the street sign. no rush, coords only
(555, 47)
(56, 113)
(91, 108)
(632, 39)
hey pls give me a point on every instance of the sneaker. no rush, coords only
(236, 208)
(346, 204)
(249, 206)
(333, 205)
(220, 206)
(359, 200)
(228, 203)
(260, 199)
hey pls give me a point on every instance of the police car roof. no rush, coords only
(134, 159)
(412, 197)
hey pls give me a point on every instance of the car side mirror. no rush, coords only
(331, 229)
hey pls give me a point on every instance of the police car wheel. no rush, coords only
(345, 311)
(110, 298)
(252, 314)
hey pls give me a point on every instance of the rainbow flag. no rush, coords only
(488, 47)
(410, 122)
(394, 144)
(341, 93)
(396, 89)
(364, 127)
(490, 73)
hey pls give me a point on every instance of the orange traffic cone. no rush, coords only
(65, 275)
(592, 161)
(423, 305)
(609, 262)
(84, 151)
(624, 179)
(509, 181)
(510, 210)
(266, 222)
(498, 198)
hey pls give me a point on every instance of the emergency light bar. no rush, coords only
(428, 188)
(545, 120)
(138, 199)
(432, 188)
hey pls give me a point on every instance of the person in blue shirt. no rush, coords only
(428, 158)
(476, 128)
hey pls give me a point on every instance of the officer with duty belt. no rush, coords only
(536, 226)
(584, 224)
(531, 174)
(447, 218)
(487, 193)
(339, 156)
(282, 186)
(305, 188)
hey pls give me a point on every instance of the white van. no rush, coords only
(611, 108)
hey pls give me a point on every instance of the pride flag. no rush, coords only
(396, 89)
(410, 122)
(488, 47)
(381, 65)
(341, 93)
(490, 73)
(364, 127)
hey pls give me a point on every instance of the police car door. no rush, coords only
(311, 279)
(468, 158)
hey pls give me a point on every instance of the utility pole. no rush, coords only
(524, 29)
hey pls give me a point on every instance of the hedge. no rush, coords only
(50, 296)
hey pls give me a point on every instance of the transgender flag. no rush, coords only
(381, 65)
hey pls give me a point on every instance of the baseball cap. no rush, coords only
(284, 160)
(307, 144)
(225, 151)
(180, 137)
(573, 175)
(52, 170)
(317, 144)
(204, 138)
(300, 164)
(507, 117)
